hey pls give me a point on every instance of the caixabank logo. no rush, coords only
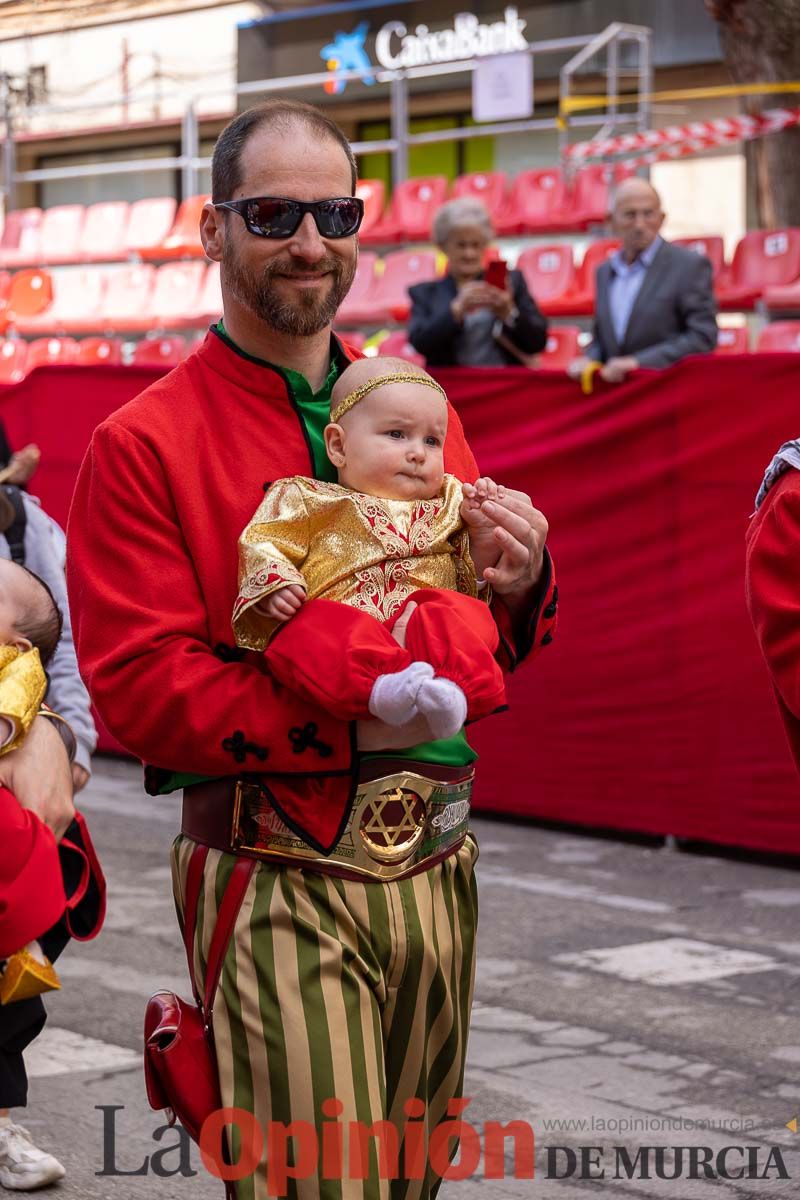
(397, 46)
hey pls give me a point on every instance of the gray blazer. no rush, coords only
(674, 314)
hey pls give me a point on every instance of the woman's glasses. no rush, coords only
(279, 217)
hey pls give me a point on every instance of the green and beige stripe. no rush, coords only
(358, 991)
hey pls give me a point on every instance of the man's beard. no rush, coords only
(309, 312)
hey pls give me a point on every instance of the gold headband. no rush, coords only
(353, 398)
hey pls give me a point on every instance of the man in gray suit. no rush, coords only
(655, 302)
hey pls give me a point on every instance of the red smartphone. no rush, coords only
(496, 273)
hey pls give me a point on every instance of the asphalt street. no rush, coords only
(627, 998)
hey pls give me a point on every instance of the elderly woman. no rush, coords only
(463, 319)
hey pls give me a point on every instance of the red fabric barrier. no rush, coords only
(652, 710)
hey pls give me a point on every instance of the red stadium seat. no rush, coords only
(47, 351)
(549, 272)
(99, 352)
(176, 295)
(19, 245)
(782, 297)
(580, 302)
(359, 304)
(77, 303)
(373, 193)
(763, 259)
(164, 352)
(397, 345)
(534, 204)
(208, 308)
(13, 358)
(127, 298)
(30, 294)
(487, 186)
(149, 223)
(588, 200)
(732, 341)
(60, 234)
(414, 203)
(103, 235)
(714, 249)
(562, 346)
(402, 269)
(183, 240)
(780, 337)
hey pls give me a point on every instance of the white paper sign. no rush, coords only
(502, 87)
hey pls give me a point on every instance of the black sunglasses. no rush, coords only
(279, 217)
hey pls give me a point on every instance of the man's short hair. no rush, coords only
(42, 623)
(226, 164)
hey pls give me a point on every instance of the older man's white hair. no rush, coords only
(458, 214)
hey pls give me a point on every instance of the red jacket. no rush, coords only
(773, 594)
(167, 485)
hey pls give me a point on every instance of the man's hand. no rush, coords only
(618, 369)
(576, 368)
(511, 558)
(22, 464)
(282, 604)
(38, 774)
(375, 735)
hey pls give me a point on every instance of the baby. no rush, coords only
(330, 568)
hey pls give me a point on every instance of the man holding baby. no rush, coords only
(348, 976)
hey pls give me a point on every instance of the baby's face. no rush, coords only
(394, 442)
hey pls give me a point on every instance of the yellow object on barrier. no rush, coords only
(587, 377)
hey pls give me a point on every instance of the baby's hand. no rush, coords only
(475, 495)
(284, 603)
(483, 544)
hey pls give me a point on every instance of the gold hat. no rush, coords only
(352, 398)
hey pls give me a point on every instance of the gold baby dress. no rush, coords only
(342, 545)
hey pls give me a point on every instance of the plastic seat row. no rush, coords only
(185, 295)
(18, 357)
(537, 201)
(105, 232)
(136, 298)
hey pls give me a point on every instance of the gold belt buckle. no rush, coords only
(396, 823)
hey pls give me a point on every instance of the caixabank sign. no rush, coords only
(409, 34)
(375, 38)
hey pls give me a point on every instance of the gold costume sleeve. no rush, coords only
(272, 551)
(23, 684)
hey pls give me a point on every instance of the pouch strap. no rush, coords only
(223, 930)
(194, 881)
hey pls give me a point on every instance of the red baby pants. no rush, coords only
(332, 653)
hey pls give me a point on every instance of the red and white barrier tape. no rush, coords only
(679, 140)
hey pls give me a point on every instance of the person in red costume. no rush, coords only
(347, 824)
(773, 597)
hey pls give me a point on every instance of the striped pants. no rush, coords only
(344, 991)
